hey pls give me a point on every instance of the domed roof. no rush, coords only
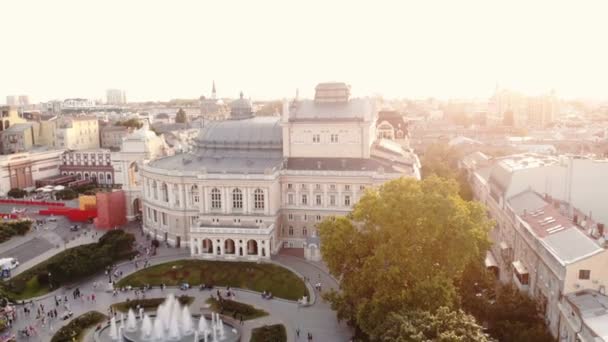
(252, 133)
(241, 108)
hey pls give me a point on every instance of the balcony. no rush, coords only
(521, 277)
(239, 230)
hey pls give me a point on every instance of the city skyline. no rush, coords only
(415, 49)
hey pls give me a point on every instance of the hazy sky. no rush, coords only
(174, 49)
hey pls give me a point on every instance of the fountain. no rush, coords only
(113, 329)
(131, 321)
(146, 328)
(171, 321)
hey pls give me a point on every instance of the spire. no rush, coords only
(213, 92)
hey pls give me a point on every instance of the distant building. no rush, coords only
(391, 125)
(11, 100)
(77, 133)
(213, 108)
(111, 136)
(584, 317)
(9, 116)
(524, 111)
(77, 104)
(22, 170)
(24, 100)
(18, 101)
(116, 97)
(19, 137)
(94, 165)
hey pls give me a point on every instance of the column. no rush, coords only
(266, 201)
(191, 246)
(205, 200)
(259, 242)
(225, 200)
(222, 243)
(246, 207)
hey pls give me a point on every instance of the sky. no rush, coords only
(159, 50)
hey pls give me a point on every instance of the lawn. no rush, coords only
(236, 309)
(148, 303)
(269, 333)
(245, 275)
(75, 330)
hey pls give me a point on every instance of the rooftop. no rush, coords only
(354, 109)
(592, 307)
(257, 132)
(558, 234)
(19, 127)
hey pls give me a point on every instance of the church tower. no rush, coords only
(213, 93)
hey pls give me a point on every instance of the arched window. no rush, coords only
(258, 199)
(154, 190)
(216, 199)
(109, 178)
(237, 199)
(164, 192)
(194, 196)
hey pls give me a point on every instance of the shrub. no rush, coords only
(10, 229)
(148, 303)
(234, 308)
(74, 263)
(77, 326)
(66, 194)
(16, 193)
(269, 333)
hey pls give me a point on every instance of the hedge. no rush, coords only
(77, 326)
(269, 333)
(10, 229)
(149, 303)
(16, 193)
(236, 309)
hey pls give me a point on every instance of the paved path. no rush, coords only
(317, 319)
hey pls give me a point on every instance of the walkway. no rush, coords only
(317, 319)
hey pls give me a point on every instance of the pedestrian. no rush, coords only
(241, 319)
(297, 332)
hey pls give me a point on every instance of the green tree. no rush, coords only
(16, 193)
(422, 326)
(442, 160)
(133, 123)
(181, 117)
(403, 247)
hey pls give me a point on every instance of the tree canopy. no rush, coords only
(444, 325)
(181, 117)
(402, 248)
(133, 123)
(442, 160)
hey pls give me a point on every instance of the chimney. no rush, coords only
(600, 229)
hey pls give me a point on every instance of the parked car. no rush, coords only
(74, 228)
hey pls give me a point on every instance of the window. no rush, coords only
(304, 231)
(303, 186)
(290, 217)
(290, 199)
(362, 187)
(347, 187)
(289, 186)
(290, 230)
(304, 199)
(163, 218)
(584, 274)
(194, 194)
(332, 200)
(334, 138)
(154, 190)
(318, 200)
(305, 218)
(318, 187)
(155, 214)
(237, 199)
(216, 199)
(316, 138)
(319, 218)
(258, 199)
(164, 193)
(347, 201)
(332, 187)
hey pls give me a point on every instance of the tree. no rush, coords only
(442, 160)
(181, 117)
(402, 247)
(422, 326)
(16, 193)
(133, 123)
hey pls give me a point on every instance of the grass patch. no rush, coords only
(148, 303)
(269, 333)
(245, 275)
(69, 266)
(236, 309)
(76, 328)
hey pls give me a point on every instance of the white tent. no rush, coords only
(59, 188)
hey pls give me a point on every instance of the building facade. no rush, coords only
(254, 185)
(111, 136)
(94, 165)
(116, 97)
(21, 170)
(77, 133)
(213, 108)
(19, 137)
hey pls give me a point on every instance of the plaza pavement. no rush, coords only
(318, 319)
